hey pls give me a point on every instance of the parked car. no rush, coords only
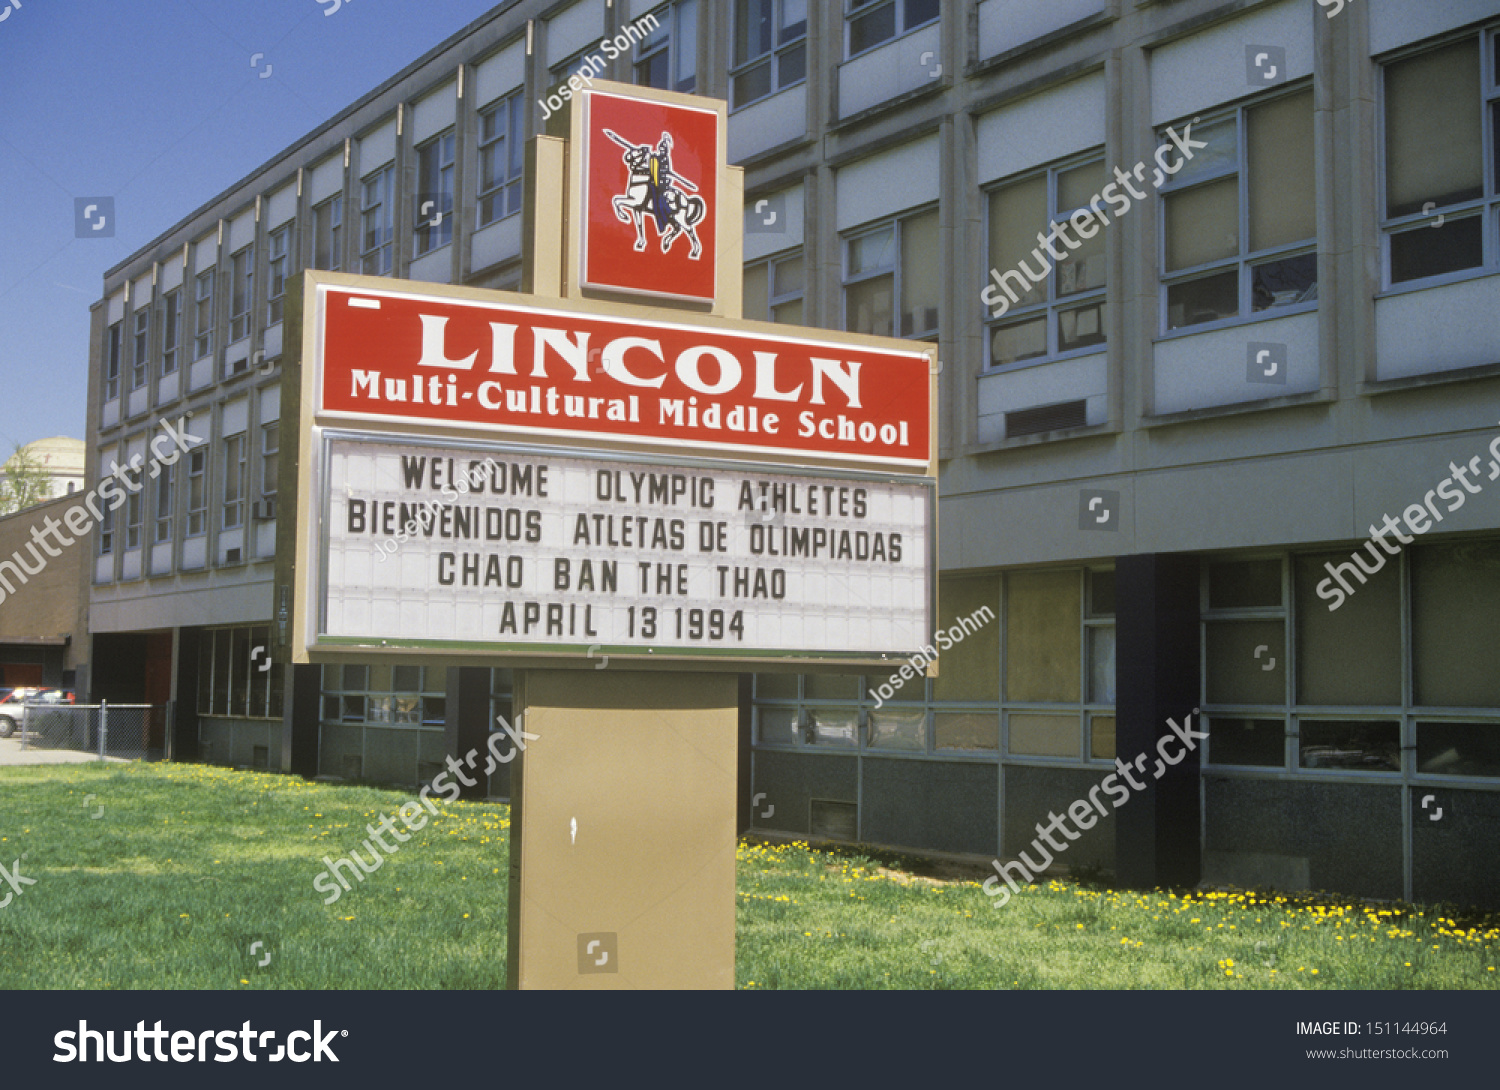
(12, 704)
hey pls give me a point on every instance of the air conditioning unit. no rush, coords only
(264, 510)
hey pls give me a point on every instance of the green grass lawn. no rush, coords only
(188, 866)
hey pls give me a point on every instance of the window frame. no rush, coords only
(774, 301)
(380, 212)
(241, 292)
(1245, 260)
(114, 351)
(858, 9)
(170, 308)
(203, 314)
(328, 233)
(164, 503)
(235, 480)
(270, 454)
(897, 222)
(671, 44)
(508, 192)
(278, 271)
(140, 354)
(774, 56)
(1486, 207)
(427, 238)
(1055, 304)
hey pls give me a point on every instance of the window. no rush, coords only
(770, 48)
(197, 512)
(773, 290)
(434, 218)
(871, 22)
(896, 261)
(114, 345)
(141, 346)
(1258, 164)
(278, 255)
(107, 526)
(328, 235)
(135, 504)
(203, 324)
(668, 58)
(502, 158)
(171, 330)
(1059, 306)
(234, 481)
(230, 681)
(165, 497)
(241, 292)
(376, 225)
(1437, 197)
(270, 446)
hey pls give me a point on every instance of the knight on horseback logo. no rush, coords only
(655, 189)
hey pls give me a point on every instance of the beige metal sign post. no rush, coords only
(615, 485)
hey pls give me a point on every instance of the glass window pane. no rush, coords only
(919, 12)
(1244, 584)
(406, 679)
(899, 730)
(868, 306)
(792, 66)
(776, 686)
(434, 710)
(1222, 153)
(752, 29)
(1082, 327)
(1080, 185)
(1259, 742)
(356, 678)
(1018, 213)
(833, 726)
(1018, 341)
(1455, 605)
(788, 313)
(872, 252)
(685, 47)
(752, 83)
(793, 21)
(833, 687)
(1459, 749)
(1101, 593)
(1033, 735)
(1279, 175)
(756, 304)
(1102, 743)
(921, 275)
(1102, 664)
(967, 730)
(435, 679)
(776, 726)
(380, 679)
(1349, 649)
(1083, 269)
(1203, 224)
(1206, 299)
(1284, 283)
(787, 276)
(1239, 654)
(1432, 129)
(872, 28)
(1352, 744)
(970, 668)
(1043, 645)
(1432, 251)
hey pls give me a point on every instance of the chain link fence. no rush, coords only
(129, 731)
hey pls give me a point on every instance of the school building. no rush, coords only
(1214, 285)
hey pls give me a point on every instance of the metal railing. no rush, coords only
(127, 731)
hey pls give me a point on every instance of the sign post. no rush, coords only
(618, 487)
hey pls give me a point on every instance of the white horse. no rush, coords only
(652, 190)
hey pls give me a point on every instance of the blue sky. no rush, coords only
(156, 104)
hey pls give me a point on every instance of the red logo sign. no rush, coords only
(395, 356)
(651, 192)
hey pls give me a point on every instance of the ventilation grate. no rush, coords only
(1065, 414)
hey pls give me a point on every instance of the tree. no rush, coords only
(24, 481)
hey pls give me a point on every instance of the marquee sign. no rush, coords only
(415, 357)
(480, 547)
(651, 193)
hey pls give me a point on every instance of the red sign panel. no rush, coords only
(397, 356)
(651, 195)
